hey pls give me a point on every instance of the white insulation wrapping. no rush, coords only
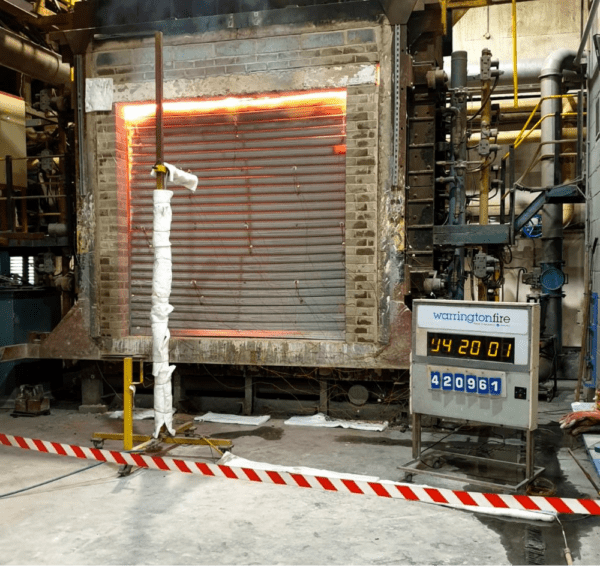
(161, 291)
(178, 177)
(159, 315)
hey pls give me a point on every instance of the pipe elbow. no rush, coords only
(557, 62)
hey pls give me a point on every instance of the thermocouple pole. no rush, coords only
(158, 78)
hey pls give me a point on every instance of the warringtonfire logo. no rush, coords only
(472, 318)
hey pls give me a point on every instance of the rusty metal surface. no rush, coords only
(70, 339)
(397, 354)
(305, 353)
(18, 352)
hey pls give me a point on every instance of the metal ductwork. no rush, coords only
(26, 57)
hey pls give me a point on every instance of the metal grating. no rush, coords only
(258, 250)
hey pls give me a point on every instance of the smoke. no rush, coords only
(122, 12)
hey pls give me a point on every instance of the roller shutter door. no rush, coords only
(258, 249)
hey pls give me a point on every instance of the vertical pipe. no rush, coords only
(158, 75)
(486, 123)
(62, 184)
(80, 96)
(127, 404)
(10, 210)
(503, 193)
(457, 202)
(511, 185)
(552, 214)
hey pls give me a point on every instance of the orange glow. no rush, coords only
(339, 149)
(134, 113)
(238, 333)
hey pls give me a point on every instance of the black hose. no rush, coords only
(50, 481)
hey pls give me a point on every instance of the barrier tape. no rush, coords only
(387, 489)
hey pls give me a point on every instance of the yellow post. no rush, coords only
(127, 404)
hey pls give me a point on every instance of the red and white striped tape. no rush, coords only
(386, 489)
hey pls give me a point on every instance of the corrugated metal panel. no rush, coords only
(258, 249)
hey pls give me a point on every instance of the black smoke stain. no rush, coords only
(123, 12)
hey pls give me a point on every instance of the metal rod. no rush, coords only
(158, 69)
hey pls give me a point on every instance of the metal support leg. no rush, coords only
(177, 389)
(324, 398)
(529, 449)
(416, 436)
(248, 395)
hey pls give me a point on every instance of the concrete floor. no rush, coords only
(154, 517)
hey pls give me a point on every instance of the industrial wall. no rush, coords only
(491, 27)
(348, 57)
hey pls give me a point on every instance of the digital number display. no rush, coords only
(465, 347)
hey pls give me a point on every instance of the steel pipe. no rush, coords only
(508, 137)
(26, 57)
(552, 214)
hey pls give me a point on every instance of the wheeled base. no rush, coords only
(187, 429)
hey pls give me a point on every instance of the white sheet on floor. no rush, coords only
(232, 419)
(233, 461)
(321, 420)
(138, 414)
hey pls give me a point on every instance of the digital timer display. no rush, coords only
(465, 347)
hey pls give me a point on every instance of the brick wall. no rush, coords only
(220, 63)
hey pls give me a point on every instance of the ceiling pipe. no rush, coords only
(26, 57)
(529, 71)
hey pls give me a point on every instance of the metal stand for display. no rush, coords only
(531, 472)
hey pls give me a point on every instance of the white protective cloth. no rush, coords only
(161, 291)
(159, 314)
(179, 177)
(232, 419)
(321, 420)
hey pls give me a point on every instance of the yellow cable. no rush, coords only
(533, 112)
